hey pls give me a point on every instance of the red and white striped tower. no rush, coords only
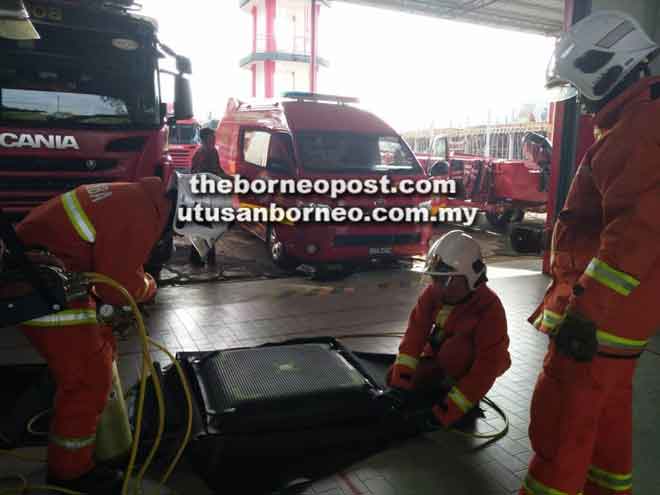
(284, 46)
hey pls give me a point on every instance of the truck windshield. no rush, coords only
(57, 106)
(61, 80)
(184, 134)
(340, 152)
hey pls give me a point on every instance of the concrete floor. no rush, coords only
(213, 316)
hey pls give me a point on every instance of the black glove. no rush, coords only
(423, 420)
(576, 338)
(396, 398)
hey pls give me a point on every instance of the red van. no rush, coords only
(311, 136)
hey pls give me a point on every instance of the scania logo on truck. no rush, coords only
(36, 141)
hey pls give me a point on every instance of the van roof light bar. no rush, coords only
(304, 96)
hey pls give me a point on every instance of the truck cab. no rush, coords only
(183, 143)
(314, 137)
(83, 103)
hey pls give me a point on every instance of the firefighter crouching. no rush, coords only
(456, 343)
(605, 264)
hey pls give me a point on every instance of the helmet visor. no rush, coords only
(558, 89)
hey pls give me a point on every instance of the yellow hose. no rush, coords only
(186, 390)
(147, 365)
(489, 436)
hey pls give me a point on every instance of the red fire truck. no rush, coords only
(184, 142)
(502, 189)
(83, 103)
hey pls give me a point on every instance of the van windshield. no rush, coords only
(341, 152)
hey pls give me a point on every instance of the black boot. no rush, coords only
(99, 481)
(469, 420)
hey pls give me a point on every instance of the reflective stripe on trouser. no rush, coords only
(618, 281)
(613, 482)
(548, 321)
(534, 487)
(580, 417)
(73, 443)
(80, 360)
(78, 217)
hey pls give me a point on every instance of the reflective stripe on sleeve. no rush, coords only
(78, 217)
(550, 320)
(460, 400)
(619, 282)
(406, 360)
(611, 340)
(68, 317)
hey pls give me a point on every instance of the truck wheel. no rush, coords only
(501, 220)
(276, 249)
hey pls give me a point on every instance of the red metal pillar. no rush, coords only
(568, 138)
(254, 80)
(269, 75)
(254, 29)
(271, 46)
(313, 66)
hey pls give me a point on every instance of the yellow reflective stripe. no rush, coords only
(406, 360)
(612, 340)
(550, 319)
(460, 400)
(620, 282)
(78, 217)
(68, 317)
(612, 481)
(533, 487)
(443, 314)
(73, 443)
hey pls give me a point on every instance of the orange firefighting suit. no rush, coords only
(474, 349)
(605, 265)
(104, 228)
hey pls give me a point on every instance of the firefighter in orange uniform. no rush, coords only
(109, 229)
(456, 343)
(605, 265)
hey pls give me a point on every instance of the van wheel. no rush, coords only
(276, 250)
(501, 220)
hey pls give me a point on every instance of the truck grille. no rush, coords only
(36, 164)
(377, 240)
(181, 158)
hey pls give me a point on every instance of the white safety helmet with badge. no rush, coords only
(202, 233)
(455, 254)
(596, 54)
(15, 21)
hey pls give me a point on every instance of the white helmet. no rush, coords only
(202, 231)
(15, 21)
(597, 53)
(456, 254)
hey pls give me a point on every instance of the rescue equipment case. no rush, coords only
(296, 410)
